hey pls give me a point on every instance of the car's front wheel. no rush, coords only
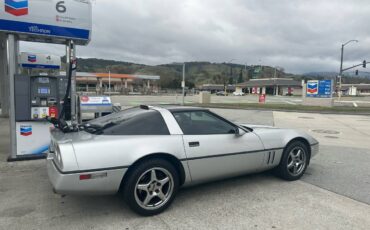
(151, 187)
(294, 161)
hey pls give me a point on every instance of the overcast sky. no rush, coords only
(298, 35)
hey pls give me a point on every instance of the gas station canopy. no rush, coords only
(114, 75)
(49, 21)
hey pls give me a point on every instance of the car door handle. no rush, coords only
(194, 144)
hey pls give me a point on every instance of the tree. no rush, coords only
(240, 79)
(231, 80)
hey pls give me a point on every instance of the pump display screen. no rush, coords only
(44, 80)
(43, 90)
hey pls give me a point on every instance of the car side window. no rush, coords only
(202, 123)
(148, 123)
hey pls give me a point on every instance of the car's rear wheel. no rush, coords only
(151, 187)
(294, 161)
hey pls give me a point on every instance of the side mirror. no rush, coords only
(239, 132)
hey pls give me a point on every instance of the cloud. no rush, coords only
(299, 35)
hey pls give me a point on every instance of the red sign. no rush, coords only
(84, 98)
(53, 112)
(262, 98)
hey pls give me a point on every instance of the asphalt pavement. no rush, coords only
(343, 165)
(259, 201)
(334, 193)
(342, 170)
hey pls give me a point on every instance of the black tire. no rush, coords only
(284, 170)
(133, 196)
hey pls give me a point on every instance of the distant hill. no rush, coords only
(321, 74)
(197, 73)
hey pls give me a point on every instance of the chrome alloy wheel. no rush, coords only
(296, 161)
(154, 188)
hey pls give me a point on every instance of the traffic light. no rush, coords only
(364, 64)
(356, 72)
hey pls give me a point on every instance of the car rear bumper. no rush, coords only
(314, 149)
(102, 182)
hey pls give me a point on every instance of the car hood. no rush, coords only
(259, 126)
(274, 137)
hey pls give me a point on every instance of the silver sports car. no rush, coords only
(146, 153)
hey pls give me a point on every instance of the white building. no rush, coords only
(356, 89)
(271, 86)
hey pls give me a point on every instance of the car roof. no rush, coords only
(178, 108)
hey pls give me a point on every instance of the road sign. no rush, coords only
(51, 21)
(319, 88)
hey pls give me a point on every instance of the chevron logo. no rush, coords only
(26, 130)
(312, 87)
(32, 58)
(16, 7)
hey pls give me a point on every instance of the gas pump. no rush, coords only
(32, 97)
(36, 98)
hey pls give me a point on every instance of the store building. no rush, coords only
(356, 89)
(271, 86)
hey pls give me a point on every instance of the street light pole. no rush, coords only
(340, 72)
(231, 73)
(108, 69)
(109, 83)
(183, 84)
(245, 70)
(341, 67)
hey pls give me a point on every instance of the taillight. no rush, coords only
(93, 176)
(85, 176)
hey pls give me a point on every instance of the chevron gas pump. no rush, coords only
(32, 97)
(36, 98)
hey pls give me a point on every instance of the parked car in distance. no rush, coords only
(238, 93)
(221, 93)
(147, 153)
